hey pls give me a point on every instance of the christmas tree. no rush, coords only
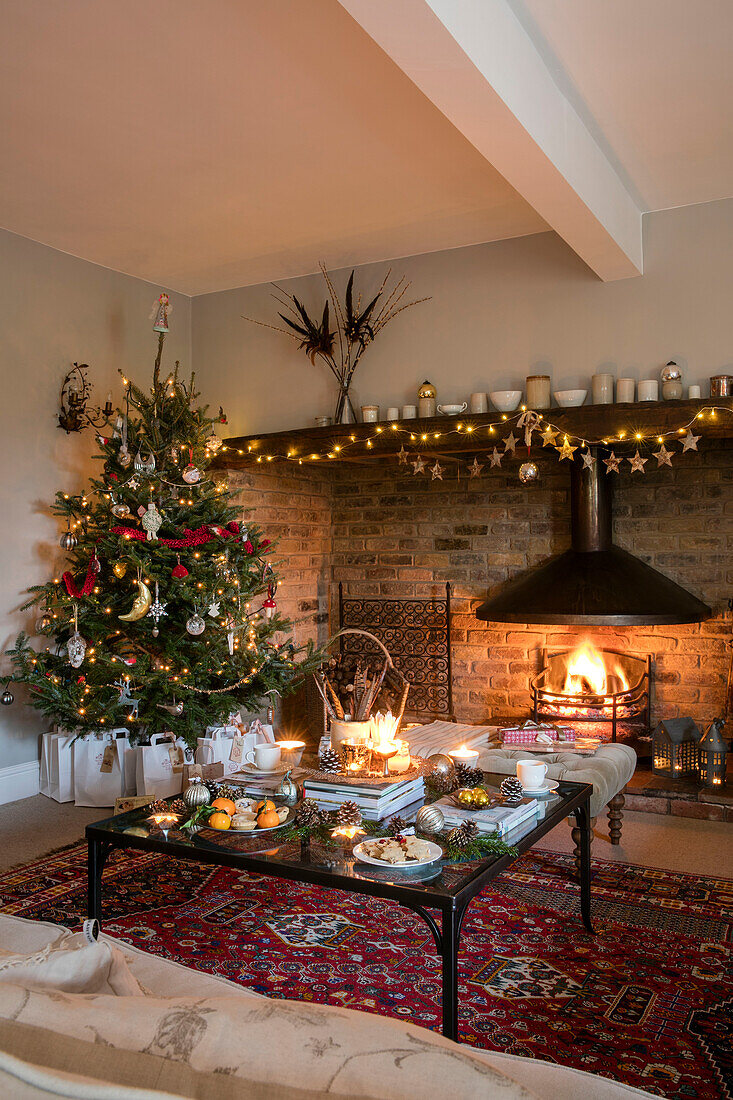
(166, 617)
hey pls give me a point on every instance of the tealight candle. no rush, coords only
(294, 751)
(464, 756)
(346, 834)
(401, 762)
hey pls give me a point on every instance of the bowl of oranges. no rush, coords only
(247, 815)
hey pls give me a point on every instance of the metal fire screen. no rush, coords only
(417, 635)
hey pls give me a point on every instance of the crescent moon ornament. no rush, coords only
(141, 606)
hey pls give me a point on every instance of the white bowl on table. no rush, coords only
(506, 401)
(569, 399)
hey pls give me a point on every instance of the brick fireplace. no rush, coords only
(386, 532)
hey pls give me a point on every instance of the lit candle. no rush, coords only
(401, 762)
(346, 834)
(464, 756)
(294, 750)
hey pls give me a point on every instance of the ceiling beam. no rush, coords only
(475, 61)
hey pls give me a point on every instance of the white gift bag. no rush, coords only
(99, 776)
(129, 769)
(57, 766)
(216, 747)
(159, 771)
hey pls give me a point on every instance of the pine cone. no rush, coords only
(158, 806)
(348, 813)
(329, 761)
(212, 786)
(178, 806)
(307, 814)
(511, 789)
(443, 784)
(224, 790)
(396, 825)
(468, 776)
(463, 834)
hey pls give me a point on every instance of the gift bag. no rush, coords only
(57, 766)
(129, 769)
(216, 747)
(159, 771)
(99, 777)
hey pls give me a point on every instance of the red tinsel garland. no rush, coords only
(86, 588)
(197, 537)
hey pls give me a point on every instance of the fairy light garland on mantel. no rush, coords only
(526, 419)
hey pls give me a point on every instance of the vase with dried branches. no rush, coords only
(341, 342)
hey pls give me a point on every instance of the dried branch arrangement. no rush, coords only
(340, 344)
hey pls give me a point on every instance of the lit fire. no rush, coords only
(587, 673)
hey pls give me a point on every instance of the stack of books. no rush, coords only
(376, 801)
(496, 818)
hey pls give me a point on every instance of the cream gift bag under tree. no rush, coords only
(99, 768)
(163, 617)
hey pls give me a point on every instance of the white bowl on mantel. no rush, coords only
(569, 399)
(506, 401)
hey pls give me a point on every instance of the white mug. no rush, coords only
(265, 757)
(531, 774)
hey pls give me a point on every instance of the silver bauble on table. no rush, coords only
(528, 472)
(429, 820)
(438, 764)
(196, 794)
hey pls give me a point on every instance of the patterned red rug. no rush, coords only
(647, 1001)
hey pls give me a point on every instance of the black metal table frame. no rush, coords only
(452, 907)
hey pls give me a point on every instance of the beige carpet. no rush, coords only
(37, 825)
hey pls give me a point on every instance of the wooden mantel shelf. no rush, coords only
(469, 433)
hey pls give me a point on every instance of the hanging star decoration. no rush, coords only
(158, 608)
(437, 471)
(589, 460)
(637, 463)
(402, 455)
(510, 443)
(663, 456)
(496, 457)
(612, 463)
(418, 465)
(566, 451)
(476, 468)
(689, 443)
(548, 437)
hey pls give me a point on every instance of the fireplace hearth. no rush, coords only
(600, 687)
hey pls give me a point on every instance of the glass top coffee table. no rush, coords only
(439, 893)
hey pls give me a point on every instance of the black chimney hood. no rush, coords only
(595, 582)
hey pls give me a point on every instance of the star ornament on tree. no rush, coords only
(663, 456)
(566, 451)
(476, 468)
(418, 465)
(612, 463)
(437, 471)
(637, 463)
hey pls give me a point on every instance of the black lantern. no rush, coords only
(712, 753)
(675, 748)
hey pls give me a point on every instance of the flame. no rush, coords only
(587, 673)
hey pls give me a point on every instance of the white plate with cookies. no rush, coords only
(398, 853)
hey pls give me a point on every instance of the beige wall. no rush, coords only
(54, 310)
(498, 312)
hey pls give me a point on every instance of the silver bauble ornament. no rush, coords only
(288, 791)
(68, 541)
(76, 647)
(196, 794)
(195, 625)
(438, 764)
(191, 474)
(44, 623)
(528, 472)
(429, 820)
(7, 698)
(671, 373)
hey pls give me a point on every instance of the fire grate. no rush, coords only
(623, 700)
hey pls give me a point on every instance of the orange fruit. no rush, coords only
(220, 821)
(268, 819)
(226, 805)
(262, 807)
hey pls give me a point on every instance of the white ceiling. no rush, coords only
(203, 146)
(209, 145)
(653, 79)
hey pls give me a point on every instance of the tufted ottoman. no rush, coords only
(609, 770)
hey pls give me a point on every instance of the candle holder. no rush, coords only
(385, 752)
(345, 835)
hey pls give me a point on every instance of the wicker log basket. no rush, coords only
(366, 688)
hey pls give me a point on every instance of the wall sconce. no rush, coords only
(76, 413)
